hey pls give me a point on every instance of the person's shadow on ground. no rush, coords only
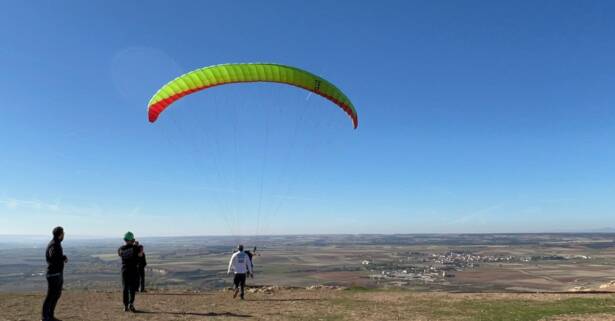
(202, 314)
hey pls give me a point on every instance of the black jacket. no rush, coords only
(54, 255)
(130, 258)
(142, 262)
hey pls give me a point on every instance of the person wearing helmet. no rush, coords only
(240, 264)
(131, 254)
(54, 255)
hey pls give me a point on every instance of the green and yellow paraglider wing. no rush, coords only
(246, 72)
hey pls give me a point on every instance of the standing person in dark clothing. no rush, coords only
(142, 265)
(130, 254)
(251, 256)
(54, 255)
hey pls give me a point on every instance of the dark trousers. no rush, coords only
(142, 279)
(54, 291)
(240, 281)
(130, 283)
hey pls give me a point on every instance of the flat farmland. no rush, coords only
(450, 263)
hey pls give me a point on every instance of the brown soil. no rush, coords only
(319, 303)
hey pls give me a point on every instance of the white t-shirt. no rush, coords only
(240, 263)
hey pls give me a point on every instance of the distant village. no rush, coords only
(429, 268)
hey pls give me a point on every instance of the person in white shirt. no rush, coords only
(241, 265)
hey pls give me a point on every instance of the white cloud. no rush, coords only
(36, 206)
(478, 216)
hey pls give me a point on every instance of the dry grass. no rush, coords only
(354, 304)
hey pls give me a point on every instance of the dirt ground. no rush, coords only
(319, 304)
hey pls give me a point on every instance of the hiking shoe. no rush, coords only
(125, 308)
(132, 308)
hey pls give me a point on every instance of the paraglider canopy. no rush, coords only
(217, 75)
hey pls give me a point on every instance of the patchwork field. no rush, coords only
(450, 263)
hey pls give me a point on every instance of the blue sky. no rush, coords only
(475, 116)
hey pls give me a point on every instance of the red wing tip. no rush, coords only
(152, 117)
